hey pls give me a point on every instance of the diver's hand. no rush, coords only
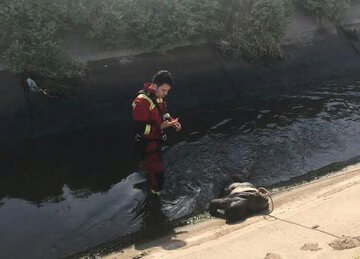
(177, 126)
(168, 124)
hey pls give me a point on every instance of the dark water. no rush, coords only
(63, 194)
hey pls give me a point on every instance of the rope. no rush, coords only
(45, 93)
(269, 194)
(265, 192)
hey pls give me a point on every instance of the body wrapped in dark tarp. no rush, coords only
(240, 200)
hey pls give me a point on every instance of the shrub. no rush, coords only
(333, 9)
(108, 21)
(29, 30)
(29, 37)
(154, 24)
(256, 26)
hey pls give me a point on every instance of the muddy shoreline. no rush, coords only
(299, 215)
(120, 245)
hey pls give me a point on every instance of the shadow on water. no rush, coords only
(149, 218)
(156, 224)
(92, 161)
(60, 195)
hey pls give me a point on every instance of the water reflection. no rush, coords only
(74, 222)
(86, 162)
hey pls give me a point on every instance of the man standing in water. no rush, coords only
(150, 119)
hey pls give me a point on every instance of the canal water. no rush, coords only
(60, 195)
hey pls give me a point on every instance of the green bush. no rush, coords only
(29, 37)
(256, 26)
(29, 30)
(109, 23)
(333, 9)
(154, 24)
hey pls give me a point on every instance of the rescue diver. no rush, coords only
(150, 119)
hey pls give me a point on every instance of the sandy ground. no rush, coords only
(306, 219)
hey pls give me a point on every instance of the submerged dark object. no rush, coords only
(240, 200)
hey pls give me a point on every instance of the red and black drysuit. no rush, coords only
(148, 113)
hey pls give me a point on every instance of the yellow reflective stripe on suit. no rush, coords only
(144, 96)
(147, 129)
